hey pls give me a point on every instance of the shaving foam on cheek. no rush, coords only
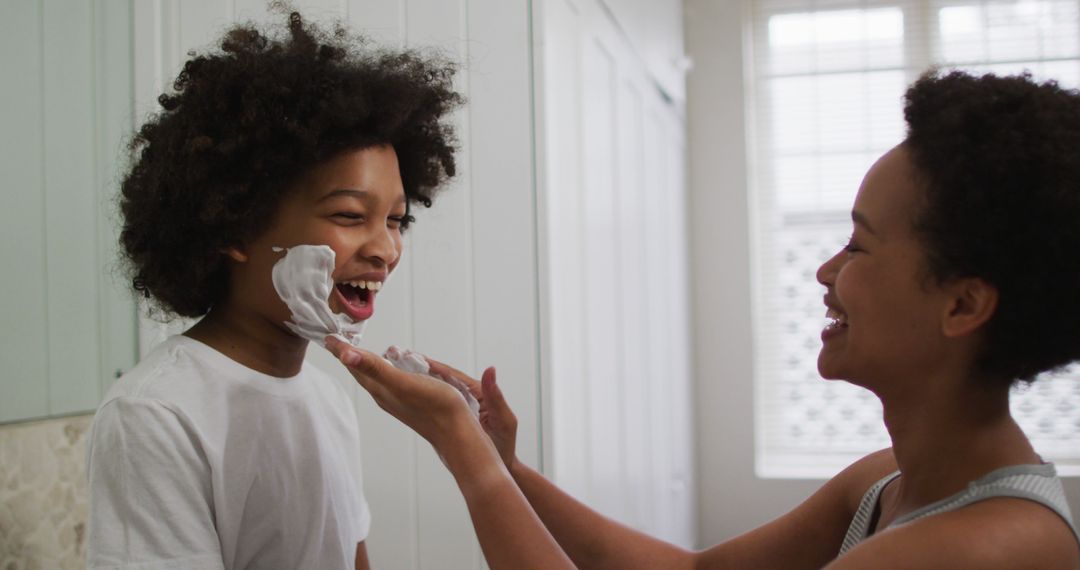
(303, 278)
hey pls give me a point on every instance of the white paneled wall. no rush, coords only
(655, 31)
(614, 289)
(68, 327)
(466, 290)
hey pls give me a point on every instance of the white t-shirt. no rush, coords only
(196, 461)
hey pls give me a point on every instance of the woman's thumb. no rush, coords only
(492, 393)
(345, 353)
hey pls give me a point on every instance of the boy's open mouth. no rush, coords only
(358, 297)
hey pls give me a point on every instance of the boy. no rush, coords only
(222, 449)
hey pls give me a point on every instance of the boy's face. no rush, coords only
(355, 204)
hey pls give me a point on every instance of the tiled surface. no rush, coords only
(43, 501)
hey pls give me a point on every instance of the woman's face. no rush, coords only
(353, 203)
(885, 317)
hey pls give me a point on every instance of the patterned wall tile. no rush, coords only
(43, 498)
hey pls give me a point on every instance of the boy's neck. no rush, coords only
(251, 341)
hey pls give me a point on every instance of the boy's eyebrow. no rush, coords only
(861, 220)
(356, 193)
(364, 195)
(353, 192)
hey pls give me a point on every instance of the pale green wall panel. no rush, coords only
(69, 323)
(202, 22)
(23, 359)
(114, 105)
(70, 206)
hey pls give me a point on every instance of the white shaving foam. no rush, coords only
(303, 278)
(415, 363)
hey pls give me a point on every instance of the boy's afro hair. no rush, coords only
(245, 121)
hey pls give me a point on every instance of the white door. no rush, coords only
(614, 285)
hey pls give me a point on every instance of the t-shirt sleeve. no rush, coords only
(151, 504)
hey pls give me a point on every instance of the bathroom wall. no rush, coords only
(69, 326)
(69, 323)
(43, 494)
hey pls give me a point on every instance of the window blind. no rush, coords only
(827, 81)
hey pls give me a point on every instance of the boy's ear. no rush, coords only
(972, 303)
(236, 253)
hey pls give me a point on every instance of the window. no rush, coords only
(828, 79)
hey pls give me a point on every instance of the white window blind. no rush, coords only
(827, 85)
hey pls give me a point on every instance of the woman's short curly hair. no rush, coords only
(999, 158)
(245, 121)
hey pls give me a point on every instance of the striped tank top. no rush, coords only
(1037, 483)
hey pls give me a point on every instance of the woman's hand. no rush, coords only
(432, 408)
(510, 533)
(498, 419)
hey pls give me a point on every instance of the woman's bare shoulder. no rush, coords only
(995, 533)
(857, 478)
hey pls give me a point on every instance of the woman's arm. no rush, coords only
(511, 533)
(591, 539)
(807, 537)
(511, 536)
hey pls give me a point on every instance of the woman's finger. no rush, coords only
(370, 371)
(342, 351)
(493, 395)
(443, 369)
(446, 372)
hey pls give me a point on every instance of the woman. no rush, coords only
(960, 280)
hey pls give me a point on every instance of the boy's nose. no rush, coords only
(382, 247)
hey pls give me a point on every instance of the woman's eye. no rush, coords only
(351, 216)
(852, 247)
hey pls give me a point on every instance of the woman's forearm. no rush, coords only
(589, 538)
(510, 533)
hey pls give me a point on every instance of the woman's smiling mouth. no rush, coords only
(837, 323)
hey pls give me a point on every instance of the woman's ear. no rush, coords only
(973, 302)
(236, 253)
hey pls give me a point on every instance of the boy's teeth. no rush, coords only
(369, 285)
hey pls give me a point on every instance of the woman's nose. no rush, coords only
(826, 274)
